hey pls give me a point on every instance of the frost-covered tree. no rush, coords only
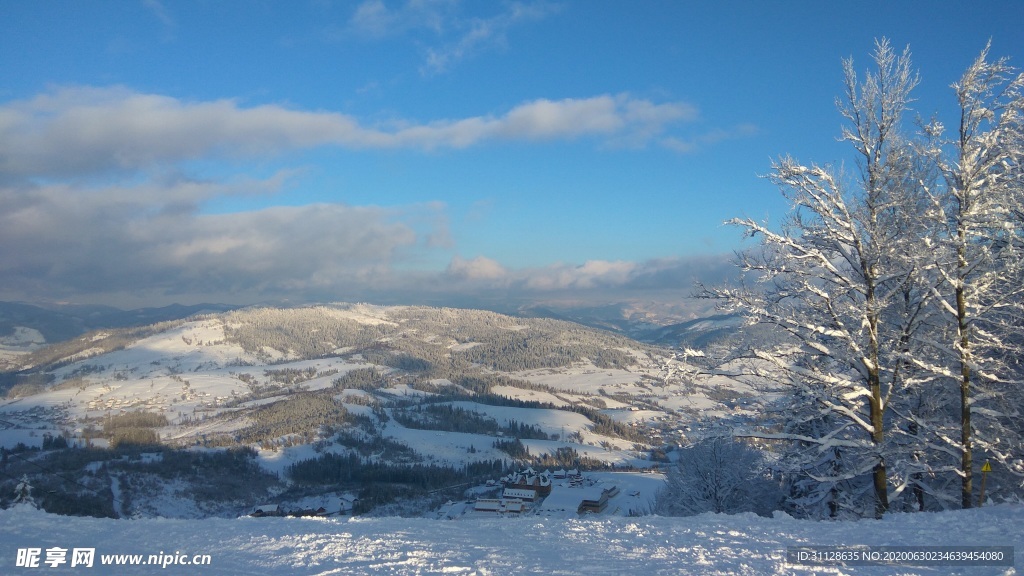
(897, 295)
(721, 475)
(23, 494)
(834, 278)
(978, 257)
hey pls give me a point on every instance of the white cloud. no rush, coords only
(161, 13)
(592, 274)
(546, 118)
(451, 35)
(373, 18)
(150, 242)
(688, 145)
(83, 130)
(64, 241)
(476, 34)
(482, 273)
(94, 200)
(479, 268)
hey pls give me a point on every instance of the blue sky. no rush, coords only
(154, 151)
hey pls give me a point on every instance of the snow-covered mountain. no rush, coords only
(26, 327)
(417, 386)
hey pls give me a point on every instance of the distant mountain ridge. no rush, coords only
(689, 324)
(693, 323)
(63, 322)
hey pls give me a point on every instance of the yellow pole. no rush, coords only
(985, 469)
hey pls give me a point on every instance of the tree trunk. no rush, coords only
(966, 459)
(879, 476)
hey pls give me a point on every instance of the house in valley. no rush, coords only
(529, 480)
(267, 510)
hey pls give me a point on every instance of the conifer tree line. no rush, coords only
(78, 481)
(893, 288)
(449, 418)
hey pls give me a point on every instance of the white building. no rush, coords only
(499, 505)
(520, 493)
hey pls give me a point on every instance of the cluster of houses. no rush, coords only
(557, 492)
(264, 510)
(529, 480)
(528, 488)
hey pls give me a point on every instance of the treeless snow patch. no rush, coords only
(367, 314)
(704, 544)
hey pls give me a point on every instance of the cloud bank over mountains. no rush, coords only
(98, 200)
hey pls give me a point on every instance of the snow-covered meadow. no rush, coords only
(705, 544)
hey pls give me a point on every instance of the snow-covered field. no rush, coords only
(706, 544)
(21, 341)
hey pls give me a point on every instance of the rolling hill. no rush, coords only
(262, 391)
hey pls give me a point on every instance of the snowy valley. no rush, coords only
(275, 395)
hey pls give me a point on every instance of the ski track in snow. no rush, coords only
(705, 544)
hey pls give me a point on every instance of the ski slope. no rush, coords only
(706, 544)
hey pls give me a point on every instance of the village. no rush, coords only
(551, 493)
(560, 493)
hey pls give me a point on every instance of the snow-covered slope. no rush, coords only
(210, 365)
(278, 380)
(706, 544)
(20, 341)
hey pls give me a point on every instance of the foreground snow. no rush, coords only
(707, 544)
